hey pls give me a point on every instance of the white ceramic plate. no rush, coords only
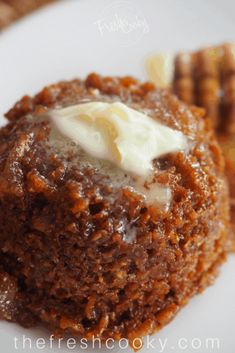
(73, 38)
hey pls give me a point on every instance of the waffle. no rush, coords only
(207, 78)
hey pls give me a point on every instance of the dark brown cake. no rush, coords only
(65, 229)
(12, 10)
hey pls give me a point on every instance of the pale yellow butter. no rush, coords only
(117, 133)
(160, 68)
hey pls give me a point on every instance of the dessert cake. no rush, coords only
(91, 245)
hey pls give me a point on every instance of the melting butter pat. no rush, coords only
(117, 133)
(160, 68)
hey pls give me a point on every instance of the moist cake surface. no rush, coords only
(83, 253)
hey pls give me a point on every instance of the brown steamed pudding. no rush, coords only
(114, 208)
